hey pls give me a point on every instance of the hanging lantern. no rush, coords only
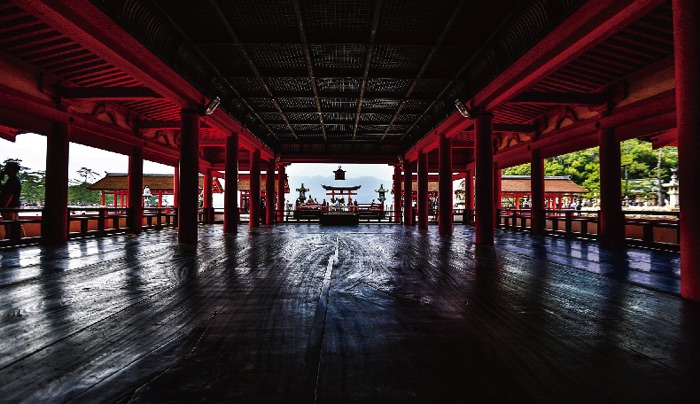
(339, 174)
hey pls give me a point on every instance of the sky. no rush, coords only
(31, 149)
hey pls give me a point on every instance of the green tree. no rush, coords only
(78, 192)
(638, 167)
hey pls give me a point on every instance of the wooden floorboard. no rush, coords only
(371, 313)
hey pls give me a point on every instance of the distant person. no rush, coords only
(10, 194)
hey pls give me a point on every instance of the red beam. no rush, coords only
(87, 25)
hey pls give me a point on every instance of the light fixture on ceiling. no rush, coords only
(463, 109)
(211, 107)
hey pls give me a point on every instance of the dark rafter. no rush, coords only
(250, 64)
(309, 66)
(548, 98)
(110, 93)
(211, 65)
(428, 60)
(368, 63)
(464, 68)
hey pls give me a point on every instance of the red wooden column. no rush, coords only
(207, 197)
(254, 205)
(135, 190)
(231, 192)
(483, 156)
(537, 211)
(422, 190)
(686, 20)
(281, 176)
(612, 225)
(445, 187)
(54, 227)
(407, 194)
(270, 193)
(102, 198)
(189, 178)
(397, 193)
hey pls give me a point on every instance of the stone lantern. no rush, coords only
(673, 189)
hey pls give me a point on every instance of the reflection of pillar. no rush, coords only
(422, 190)
(270, 193)
(445, 191)
(135, 190)
(231, 191)
(483, 155)
(397, 193)
(686, 40)
(407, 193)
(54, 228)
(254, 203)
(207, 197)
(188, 189)
(537, 211)
(280, 192)
(612, 225)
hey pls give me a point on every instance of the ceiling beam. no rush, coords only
(91, 28)
(249, 62)
(550, 98)
(309, 65)
(110, 93)
(589, 25)
(368, 63)
(445, 31)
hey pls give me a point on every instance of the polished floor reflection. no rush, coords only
(303, 313)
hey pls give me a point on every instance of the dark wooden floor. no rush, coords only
(374, 313)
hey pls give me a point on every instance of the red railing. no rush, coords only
(82, 222)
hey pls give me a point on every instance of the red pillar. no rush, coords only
(160, 199)
(254, 204)
(445, 191)
(397, 193)
(422, 190)
(231, 192)
(54, 228)
(102, 198)
(686, 17)
(483, 155)
(189, 178)
(116, 199)
(207, 197)
(270, 193)
(537, 211)
(135, 190)
(407, 194)
(612, 225)
(281, 176)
